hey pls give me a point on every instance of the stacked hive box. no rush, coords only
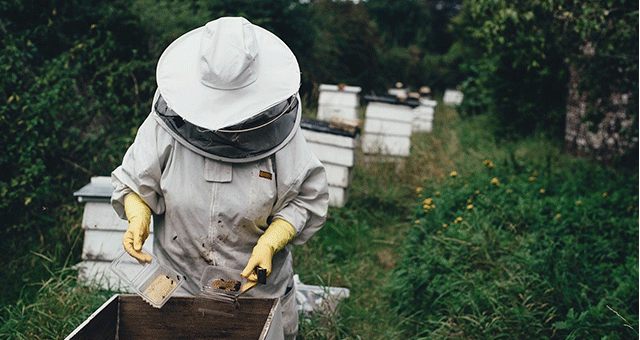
(423, 115)
(338, 101)
(388, 126)
(103, 230)
(335, 148)
(129, 317)
(452, 97)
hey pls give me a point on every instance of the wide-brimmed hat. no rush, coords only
(226, 72)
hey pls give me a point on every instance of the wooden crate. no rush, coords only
(129, 317)
(336, 150)
(338, 101)
(103, 231)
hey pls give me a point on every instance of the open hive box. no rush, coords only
(129, 317)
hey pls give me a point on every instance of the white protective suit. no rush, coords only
(208, 212)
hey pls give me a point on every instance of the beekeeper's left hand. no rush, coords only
(277, 236)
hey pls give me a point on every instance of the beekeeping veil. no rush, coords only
(229, 91)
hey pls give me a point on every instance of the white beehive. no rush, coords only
(387, 129)
(336, 150)
(423, 115)
(452, 97)
(338, 101)
(103, 231)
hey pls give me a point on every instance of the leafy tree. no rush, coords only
(519, 75)
(73, 86)
(524, 49)
(344, 49)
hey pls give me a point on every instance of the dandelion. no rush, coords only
(605, 194)
(469, 200)
(495, 181)
(470, 207)
(578, 202)
(416, 222)
(488, 164)
(558, 215)
(418, 190)
(457, 220)
(477, 192)
(427, 201)
(532, 178)
(444, 225)
(542, 191)
(453, 174)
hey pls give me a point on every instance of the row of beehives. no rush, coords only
(389, 122)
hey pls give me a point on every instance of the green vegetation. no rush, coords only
(77, 78)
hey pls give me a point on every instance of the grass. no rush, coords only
(477, 283)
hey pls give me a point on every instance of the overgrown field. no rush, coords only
(467, 239)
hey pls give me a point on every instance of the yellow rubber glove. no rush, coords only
(277, 236)
(139, 216)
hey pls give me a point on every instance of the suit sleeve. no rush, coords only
(303, 197)
(141, 168)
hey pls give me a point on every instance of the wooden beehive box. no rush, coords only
(338, 101)
(103, 231)
(423, 115)
(388, 126)
(336, 150)
(452, 97)
(129, 317)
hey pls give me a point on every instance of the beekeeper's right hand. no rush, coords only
(139, 216)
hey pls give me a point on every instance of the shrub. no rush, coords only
(522, 251)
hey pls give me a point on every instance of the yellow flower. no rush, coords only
(428, 201)
(469, 200)
(453, 174)
(488, 164)
(495, 181)
(470, 207)
(605, 194)
(578, 202)
(458, 220)
(532, 178)
(542, 191)
(418, 190)
(558, 215)
(416, 221)
(477, 192)
(444, 225)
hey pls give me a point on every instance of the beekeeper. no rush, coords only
(221, 163)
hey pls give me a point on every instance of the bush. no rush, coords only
(522, 251)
